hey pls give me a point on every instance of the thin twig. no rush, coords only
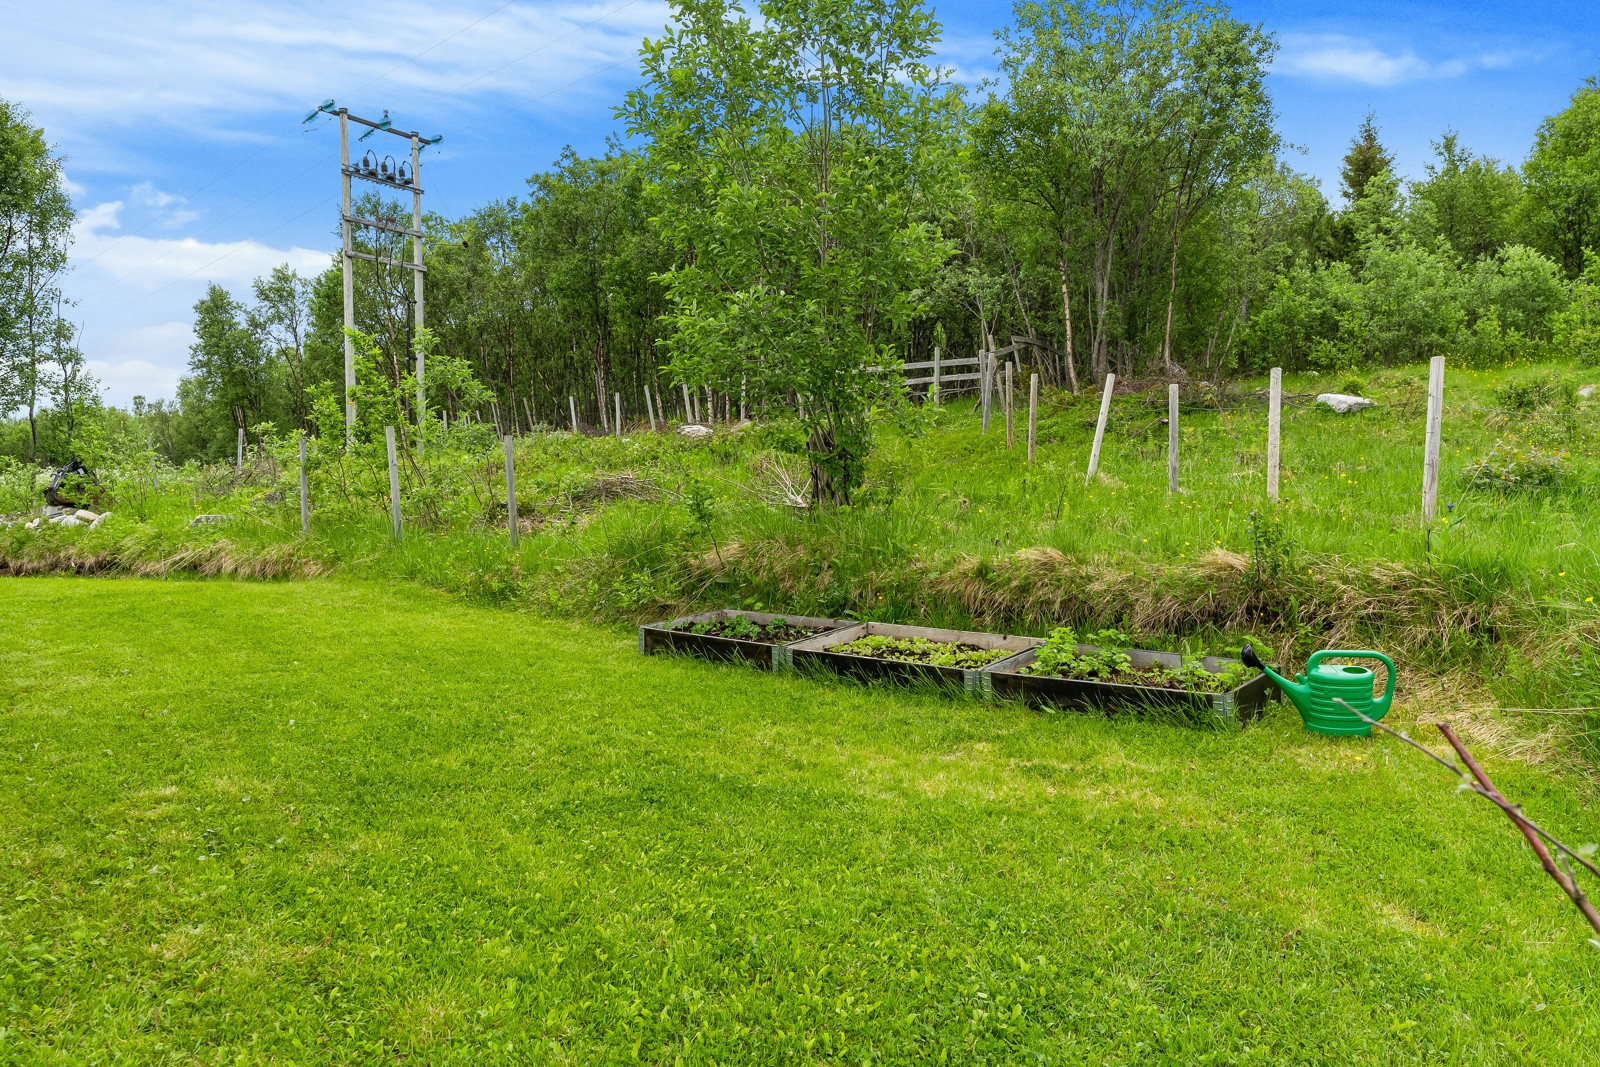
(1513, 811)
(1424, 749)
(1566, 881)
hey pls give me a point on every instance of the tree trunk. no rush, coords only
(1066, 311)
(831, 467)
(1172, 293)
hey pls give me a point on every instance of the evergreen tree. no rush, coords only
(1366, 159)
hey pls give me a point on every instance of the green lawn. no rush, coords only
(334, 822)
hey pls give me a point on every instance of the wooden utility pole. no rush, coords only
(403, 177)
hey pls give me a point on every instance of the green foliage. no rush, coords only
(40, 364)
(794, 160)
(922, 650)
(1562, 178)
(1365, 161)
(1272, 550)
(1061, 654)
(1513, 467)
(1465, 206)
(1103, 656)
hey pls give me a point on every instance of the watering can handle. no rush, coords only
(1388, 685)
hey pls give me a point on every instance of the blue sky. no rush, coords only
(181, 122)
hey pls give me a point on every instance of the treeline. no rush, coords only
(1123, 198)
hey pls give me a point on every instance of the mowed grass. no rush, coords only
(336, 822)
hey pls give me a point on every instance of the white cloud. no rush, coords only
(148, 263)
(122, 380)
(256, 56)
(147, 194)
(134, 296)
(1333, 57)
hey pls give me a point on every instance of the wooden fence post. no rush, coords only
(394, 482)
(935, 390)
(744, 409)
(1274, 430)
(688, 408)
(1100, 428)
(511, 492)
(1172, 437)
(305, 490)
(618, 398)
(985, 388)
(1011, 437)
(649, 410)
(238, 463)
(572, 409)
(1033, 415)
(1430, 459)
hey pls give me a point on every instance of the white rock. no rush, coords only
(53, 511)
(34, 525)
(67, 520)
(102, 517)
(1588, 391)
(696, 432)
(86, 515)
(1343, 402)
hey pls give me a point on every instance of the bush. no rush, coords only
(1511, 467)
(1530, 394)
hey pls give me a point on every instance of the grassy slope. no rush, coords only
(326, 821)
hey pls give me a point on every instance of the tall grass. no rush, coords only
(954, 529)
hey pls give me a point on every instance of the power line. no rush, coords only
(224, 173)
(540, 96)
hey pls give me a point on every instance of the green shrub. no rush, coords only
(1511, 467)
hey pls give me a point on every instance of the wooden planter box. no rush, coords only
(665, 637)
(818, 651)
(1240, 705)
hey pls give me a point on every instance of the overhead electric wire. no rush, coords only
(224, 173)
(450, 92)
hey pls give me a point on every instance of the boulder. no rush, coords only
(1343, 402)
(86, 515)
(696, 432)
(102, 517)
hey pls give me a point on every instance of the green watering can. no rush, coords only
(1314, 691)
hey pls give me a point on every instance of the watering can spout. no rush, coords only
(1295, 691)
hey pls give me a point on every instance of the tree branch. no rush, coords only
(1481, 784)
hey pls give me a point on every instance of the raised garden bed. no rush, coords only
(887, 651)
(756, 637)
(1068, 674)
